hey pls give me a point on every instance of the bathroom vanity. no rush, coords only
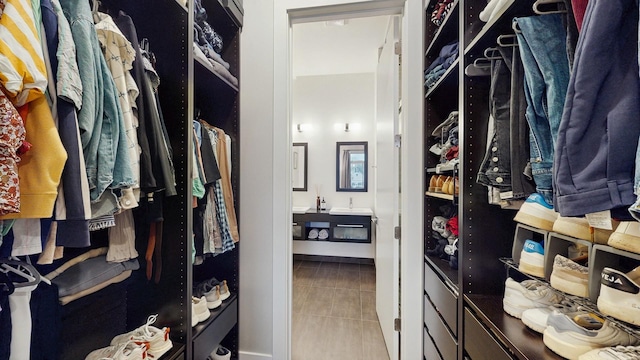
(338, 225)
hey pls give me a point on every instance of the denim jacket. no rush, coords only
(100, 119)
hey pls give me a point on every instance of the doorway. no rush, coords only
(335, 297)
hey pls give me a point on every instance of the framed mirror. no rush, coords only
(351, 166)
(299, 163)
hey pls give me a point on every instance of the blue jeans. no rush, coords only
(496, 166)
(543, 51)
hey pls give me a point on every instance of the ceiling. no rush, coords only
(321, 48)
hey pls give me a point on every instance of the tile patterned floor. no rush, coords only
(334, 312)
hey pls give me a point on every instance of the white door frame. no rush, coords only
(287, 12)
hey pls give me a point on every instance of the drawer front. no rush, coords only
(436, 328)
(444, 300)
(429, 350)
(479, 343)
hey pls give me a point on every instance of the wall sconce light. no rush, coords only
(346, 127)
(299, 127)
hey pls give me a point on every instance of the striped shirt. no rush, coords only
(22, 69)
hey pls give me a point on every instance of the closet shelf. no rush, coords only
(439, 195)
(524, 343)
(209, 68)
(442, 268)
(585, 303)
(445, 31)
(445, 78)
(181, 5)
(176, 352)
(211, 332)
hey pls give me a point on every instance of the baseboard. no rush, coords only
(253, 356)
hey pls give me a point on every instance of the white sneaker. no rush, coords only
(211, 293)
(620, 294)
(199, 309)
(532, 259)
(158, 339)
(220, 353)
(579, 228)
(613, 353)
(536, 212)
(125, 351)
(570, 340)
(529, 294)
(536, 319)
(570, 277)
(626, 236)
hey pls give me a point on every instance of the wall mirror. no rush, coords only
(351, 166)
(299, 163)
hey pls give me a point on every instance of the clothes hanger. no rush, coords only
(540, 5)
(516, 27)
(489, 54)
(509, 40)
(22, 269)
(479, 67)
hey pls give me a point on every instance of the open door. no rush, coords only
(387, 182)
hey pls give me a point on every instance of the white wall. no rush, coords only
(256, 182)
(323, 104)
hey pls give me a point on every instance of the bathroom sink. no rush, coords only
(300, 209)
(353, 211)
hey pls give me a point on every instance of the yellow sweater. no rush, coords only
(40, 168)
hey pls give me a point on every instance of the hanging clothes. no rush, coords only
(72, 208)
(100, 118)
(24, 79)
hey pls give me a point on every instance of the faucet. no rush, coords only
(350, 203)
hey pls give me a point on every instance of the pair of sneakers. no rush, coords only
(129, 350)
(214, 291)
(129, 346)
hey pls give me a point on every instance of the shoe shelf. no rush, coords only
(445, 33)
(176, 352)
(448, 275)
(584, 303)
(439, 195)
(182, 5)
(208, 334)
(521, 342)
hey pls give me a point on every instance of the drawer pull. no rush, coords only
(350, 226)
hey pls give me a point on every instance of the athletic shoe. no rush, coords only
(158, 339)
(532, 258)
(220, 353)
(536, 319)
(579, 228)
(570, 277)
(620, 294)
(536, 212)
(224, 291)
(570, 340)
(210, 292)
(529, 294)
(613, 353)
(125, 351)
(626, 236)
(200, 309)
